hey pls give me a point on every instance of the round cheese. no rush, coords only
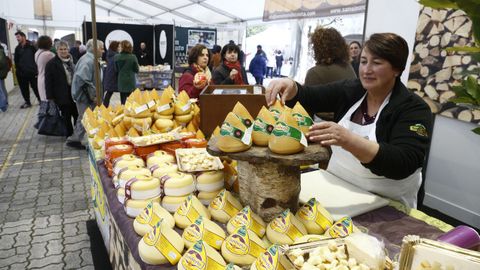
(161, 169)
(207, 197)
(206, 230)
(183, 118)
(315, 218)
(157, 116)
(150, 216)
(246, 217)
(242, 247)
(133, 208)
(285, 228)
(210, 181)
(159, 157)
(224, 206)
(140, 189)
(164, 125)
(123, 181)
(189, 211)
(172, 203)
(142, 124)
(201, 256)
(161, 245)
(177, 184)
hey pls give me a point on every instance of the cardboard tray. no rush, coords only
(218, 165)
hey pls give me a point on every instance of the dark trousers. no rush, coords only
(123, 97)
(269, 71)
(69, 113)
(108, 96)
(259, 80)
(23, 82)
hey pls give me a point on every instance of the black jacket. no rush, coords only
(56, 85)
(221, 75)
(25, 60)
(404, 126)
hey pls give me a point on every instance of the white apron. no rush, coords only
(346, 166)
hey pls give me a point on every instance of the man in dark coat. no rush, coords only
(26, 68)
(143, 55)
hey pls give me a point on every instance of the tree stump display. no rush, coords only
(269, 183)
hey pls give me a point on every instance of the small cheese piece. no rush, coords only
(272, 259)
(161, 169)
(206, 230)
(189, 211)
(133, 208)
(177, 184)
(242, 247)
(150, 216)
(159, 157)
(201, 256)
(262, 127)
(246, 217)
(366, 249)
(285, 228)
(315, 218)
(286, 136)
(241, 112)
(161, 245)
(224, 206)
(210, 181)
(231, 135)
(172, 203)
(303, 119)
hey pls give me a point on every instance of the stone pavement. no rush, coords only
(45, 196)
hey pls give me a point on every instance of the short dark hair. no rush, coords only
(391, 47)
(195, 52)
(216, 49)
(113, 45)
(259, 47)
(329, 47)
(44, 42)
(20, 33)
(228, 48)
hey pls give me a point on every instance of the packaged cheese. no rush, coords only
(303, 119)
(150, 216)
(210, 181)
(366, 250)
(262, 127)
(224, 206)
(234, 135)
(246, 217)
(242, 113)
(161, 245)
(315, 218)
(206, 230)
(286, 137)
(201, 256)
(285, 228)
(272, 259)
(242, 247)
(189, 211)
(177, 184)
(207, 197)
(341, 228)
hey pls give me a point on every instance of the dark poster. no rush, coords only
(134, 33)
(3, 33)
(186, 38)
(164, 41)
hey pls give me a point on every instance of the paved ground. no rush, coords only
(44, 196)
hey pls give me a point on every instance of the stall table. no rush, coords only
(154, 79)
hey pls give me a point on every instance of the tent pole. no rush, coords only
(95, 53)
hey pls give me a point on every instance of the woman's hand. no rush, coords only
(233, 74)
(329, 133)
(287, 89)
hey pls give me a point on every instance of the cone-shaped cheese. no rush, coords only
(159, 157)
(165, 104)
(120, 130)
(242, 247)
(150, 216)
(201, 256)
(191, 128)
(133, 208)
(189, 211)
(161, 169)
(206, 230)
(182, 105)
(142, 124)
(286, 135)
(277, 109)
(161, 245)
(224, 206)
(199, 135)
(341, 228)
(132, 132)
(272, 259)
(315, 218)
(154, 98)
(216, 131)
(210, 181)
(231, 134)
(164, 125)
(242, 113)
(303, 119)
(177, 184)
(246, 217)
(262, 127)
(285, 228)
(172, 203)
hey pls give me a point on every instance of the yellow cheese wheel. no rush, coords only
(127, 161)
(242, 247)
(133, 208)
(201, 256)
(246, 217)
(177, 184)
(159, 157)
(161, 245)
(285, 228)
(210, 181)
(161, 169)
(150, 216)
(157, 116)
(315, 218)
(224, 206)
(189, 211)
(140, 189)
(132, 172)
(206, 230)
(172, 203)
(164, 125)
(185, 118)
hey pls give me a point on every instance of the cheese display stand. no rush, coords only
(154, 79)
(269, 182)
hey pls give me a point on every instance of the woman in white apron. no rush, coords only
(381, 130)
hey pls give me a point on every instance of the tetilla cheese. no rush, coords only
(164, 125)
(201, 256)
(177, 184)
(182, 105)
(133, 208)
(315, 218)
(224, 206)
(262, 127)
(304, 120)
(206, 230)
(161, 245)
(233, 135)
(285, 228)
(246, 217)
(341, 228)
(366, 249)
(242, 247)
(286, 137)
(189, 211)
(241, 112)
(210, 181)
(150, 216)
(272, 259)
(160, 169)
(159, 157)
(277, 109)
(165, 104)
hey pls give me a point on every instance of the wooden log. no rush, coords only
(414, 85)
(431, 92)
(445, 39)
(464, 30)
(443, 75)
(434, 106)
(457, 73)
(466, 59)
(434, 40)
(424, 71)
(442, 87)
(445, 96)
(476, 115)
(465, 115)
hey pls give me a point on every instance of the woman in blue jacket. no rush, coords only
(257, 67)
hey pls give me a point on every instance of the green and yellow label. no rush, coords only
(303, 120)
(261, 126)
(283, 130)
(231, 131)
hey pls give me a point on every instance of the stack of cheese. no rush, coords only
(115, 151)
(138, 116)
(101, 123)
(209, 184)
(236, 130)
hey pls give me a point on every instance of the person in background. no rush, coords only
(110, 83)
(216, 57)
(258, 67)
(241, 55)
(83, 90)
(82, 51)
(58, 84)
(381, 131)
(126, 66)
(197, 75)
(230, 71)
(355, 49)
(42, 56)
(75, 51)
(269, 67)
(279, 63)
(143, 55)
(26, 69)
(4, 69)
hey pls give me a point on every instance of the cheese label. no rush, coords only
(196, 231)
(161, 243)
(94, 131)
(310, 212)
(282, 129)
(247, 122)
(148, 216)
(221, 202)
(239, 243)
(164, 107)
(282, 224)
(261, 126)
(128, 188)
(247, 137)
(141, 109)
(302, 120)
(187, 209)
(270, 259)
(196, 259)
(151, 103)
(187, 106)
(229, 130)
(276, 113)
(341, 228)
(244, 218)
